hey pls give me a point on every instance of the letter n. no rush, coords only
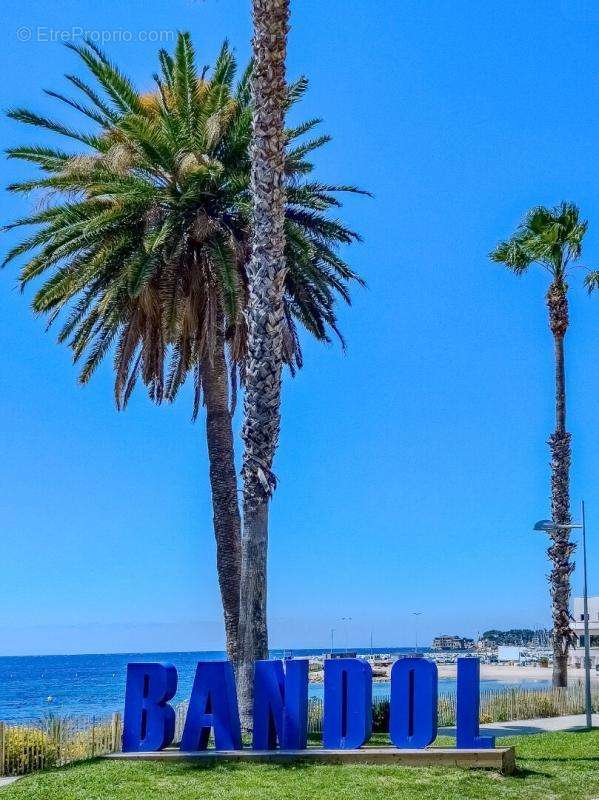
(281, 705)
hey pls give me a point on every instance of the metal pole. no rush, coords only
(332, 641)
(587, 644)
(3, 766)
(416, 614)
(346, 621)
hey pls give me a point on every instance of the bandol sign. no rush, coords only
(280, 711)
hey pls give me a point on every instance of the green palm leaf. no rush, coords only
(115, 84)
(30, 118)
(101, 119)
(184, 84)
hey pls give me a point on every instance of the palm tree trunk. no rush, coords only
(559, 442)
(223, 482)
(266, 275)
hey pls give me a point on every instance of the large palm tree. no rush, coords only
(143, 237)
(267, 271)
(552, 237)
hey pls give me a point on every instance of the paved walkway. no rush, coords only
(7, 781)
(521, 727)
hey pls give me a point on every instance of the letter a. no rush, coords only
(213, 706)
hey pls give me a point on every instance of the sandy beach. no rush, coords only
(506, 673)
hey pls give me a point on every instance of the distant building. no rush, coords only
(517, 637)
(441, 643)
(508, 652)
(576, 658)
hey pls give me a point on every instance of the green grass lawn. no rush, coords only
(551, 766)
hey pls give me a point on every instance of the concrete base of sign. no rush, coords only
(502, 759)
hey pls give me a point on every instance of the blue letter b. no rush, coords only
(149, 722)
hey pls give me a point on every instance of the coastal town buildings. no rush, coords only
(577, 651)
(451, 643)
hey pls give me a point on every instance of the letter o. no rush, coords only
(413, 712)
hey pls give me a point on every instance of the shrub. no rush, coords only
(380, 716)
(28, 749)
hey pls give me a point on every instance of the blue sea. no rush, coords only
(94, 685)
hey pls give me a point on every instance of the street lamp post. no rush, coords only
(347, 621)
(587, 637)
(547, 526)
(416, 614)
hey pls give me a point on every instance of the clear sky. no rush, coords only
(411, 468)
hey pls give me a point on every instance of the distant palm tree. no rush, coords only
(552, 237)
(266, 321)
(144, 237)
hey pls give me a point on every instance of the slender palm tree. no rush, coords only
(143, 238)
(267, 271)
(552, 237)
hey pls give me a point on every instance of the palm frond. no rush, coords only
(296, 90)
(302, 129)
(118, 87)
(48, 158)
(184, 83)
(297, 153)
(225, 263)
(144, 237)
(591, 281)
(225, 67)
(93, 96)
(167, 66)
(101, 119)
(30, 118)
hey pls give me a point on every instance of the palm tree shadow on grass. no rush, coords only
(233, 766)
(521, 773)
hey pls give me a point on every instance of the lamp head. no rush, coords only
(545, 525)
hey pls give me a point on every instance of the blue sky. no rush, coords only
(411, 468)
